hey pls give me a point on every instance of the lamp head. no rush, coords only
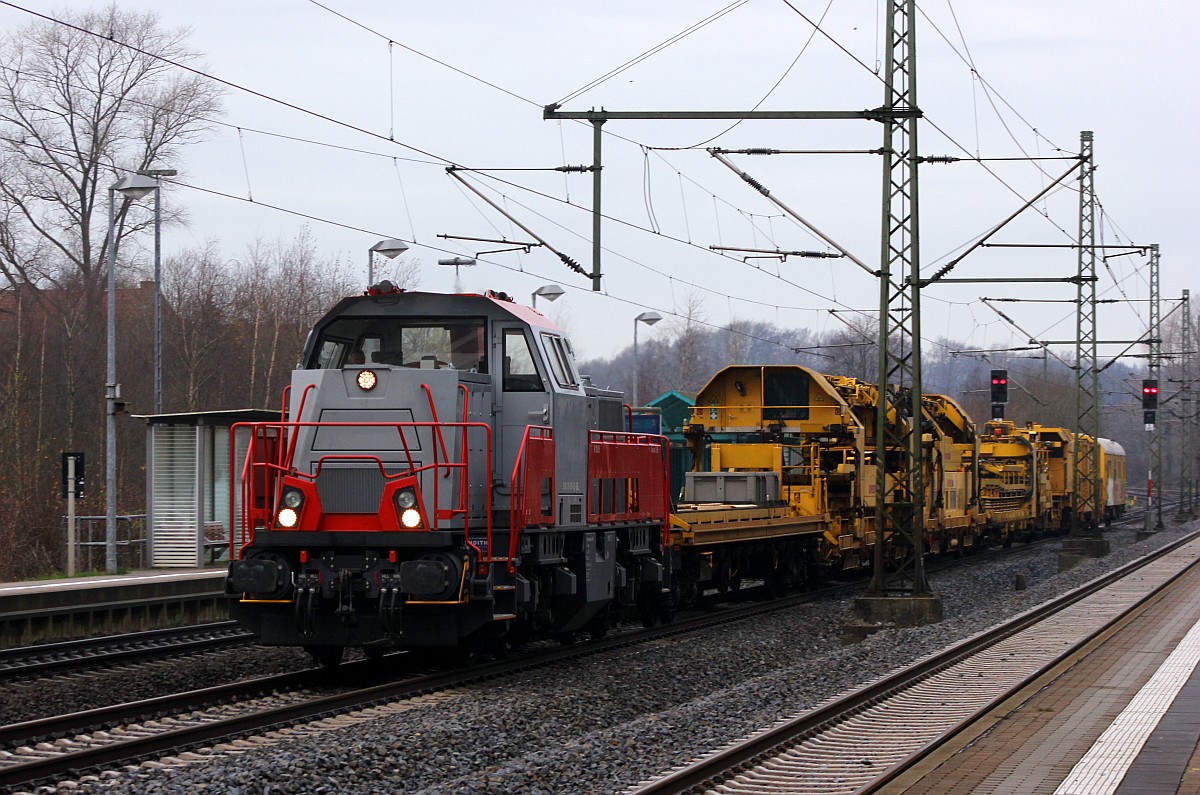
(549, 291)
(649, 318)
(134, 186)
(390, 248)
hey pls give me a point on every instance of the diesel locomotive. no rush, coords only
(443, 477)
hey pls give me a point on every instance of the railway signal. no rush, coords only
(1150, 394)
(999, 386)
(1149, 402)
(999, 393)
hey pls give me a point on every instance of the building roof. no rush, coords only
(220, 417)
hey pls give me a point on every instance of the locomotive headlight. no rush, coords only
(411, 518)
(287, 517)
(406, 498)
(367, 380)
(292, 498)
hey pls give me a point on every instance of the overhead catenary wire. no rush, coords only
(653, 50)
(497, 264)
(439, 159)
(228, 83)
(770, 91)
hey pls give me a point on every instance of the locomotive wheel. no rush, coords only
(667, 601)
(648, 607)
(326, 656)
(649, 616)
(599, 625)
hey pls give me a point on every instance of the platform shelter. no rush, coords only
(188, 482)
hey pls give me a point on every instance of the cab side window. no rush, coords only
(520, 371)
(560, 361)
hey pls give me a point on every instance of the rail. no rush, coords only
(717, 770)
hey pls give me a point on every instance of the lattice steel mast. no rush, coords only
(1154, 365)
(900, 500)
(1187, 457)
(1086, 491)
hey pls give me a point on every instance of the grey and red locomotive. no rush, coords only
(443, 476)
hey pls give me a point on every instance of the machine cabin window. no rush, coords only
(520, 371)
(785, 395)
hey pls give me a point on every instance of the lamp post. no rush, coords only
(550, 292)
(389, 248)
(649, 318)
(156, 173)
(133, 187)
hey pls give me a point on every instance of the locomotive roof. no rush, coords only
(410, 304)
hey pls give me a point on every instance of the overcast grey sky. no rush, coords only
(1042, 72)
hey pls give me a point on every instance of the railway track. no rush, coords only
(859, 741)
(50, 749)
(47, 750)
(47, 658)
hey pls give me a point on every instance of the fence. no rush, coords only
(132, 548)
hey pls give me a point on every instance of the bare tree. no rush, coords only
(854, 350)
(282, 290)
(198, 323)
(78, 110)
(737, 340)
(404, 272)
(689, 331)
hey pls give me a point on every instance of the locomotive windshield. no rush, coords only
(408, 342)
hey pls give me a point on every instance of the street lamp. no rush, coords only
(388, 248)
(550, 292)
(133, 187)
(649, 318)
(156, 173)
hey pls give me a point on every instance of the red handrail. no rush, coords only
(535, 436)
(299, 413)
(462, 482)
(627, 458)
(438, 431)
(284, 464)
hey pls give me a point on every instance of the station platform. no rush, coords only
(1120, 717)
(63, 609)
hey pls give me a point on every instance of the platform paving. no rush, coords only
(1141, 687)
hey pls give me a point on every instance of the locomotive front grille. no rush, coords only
(350, 489)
